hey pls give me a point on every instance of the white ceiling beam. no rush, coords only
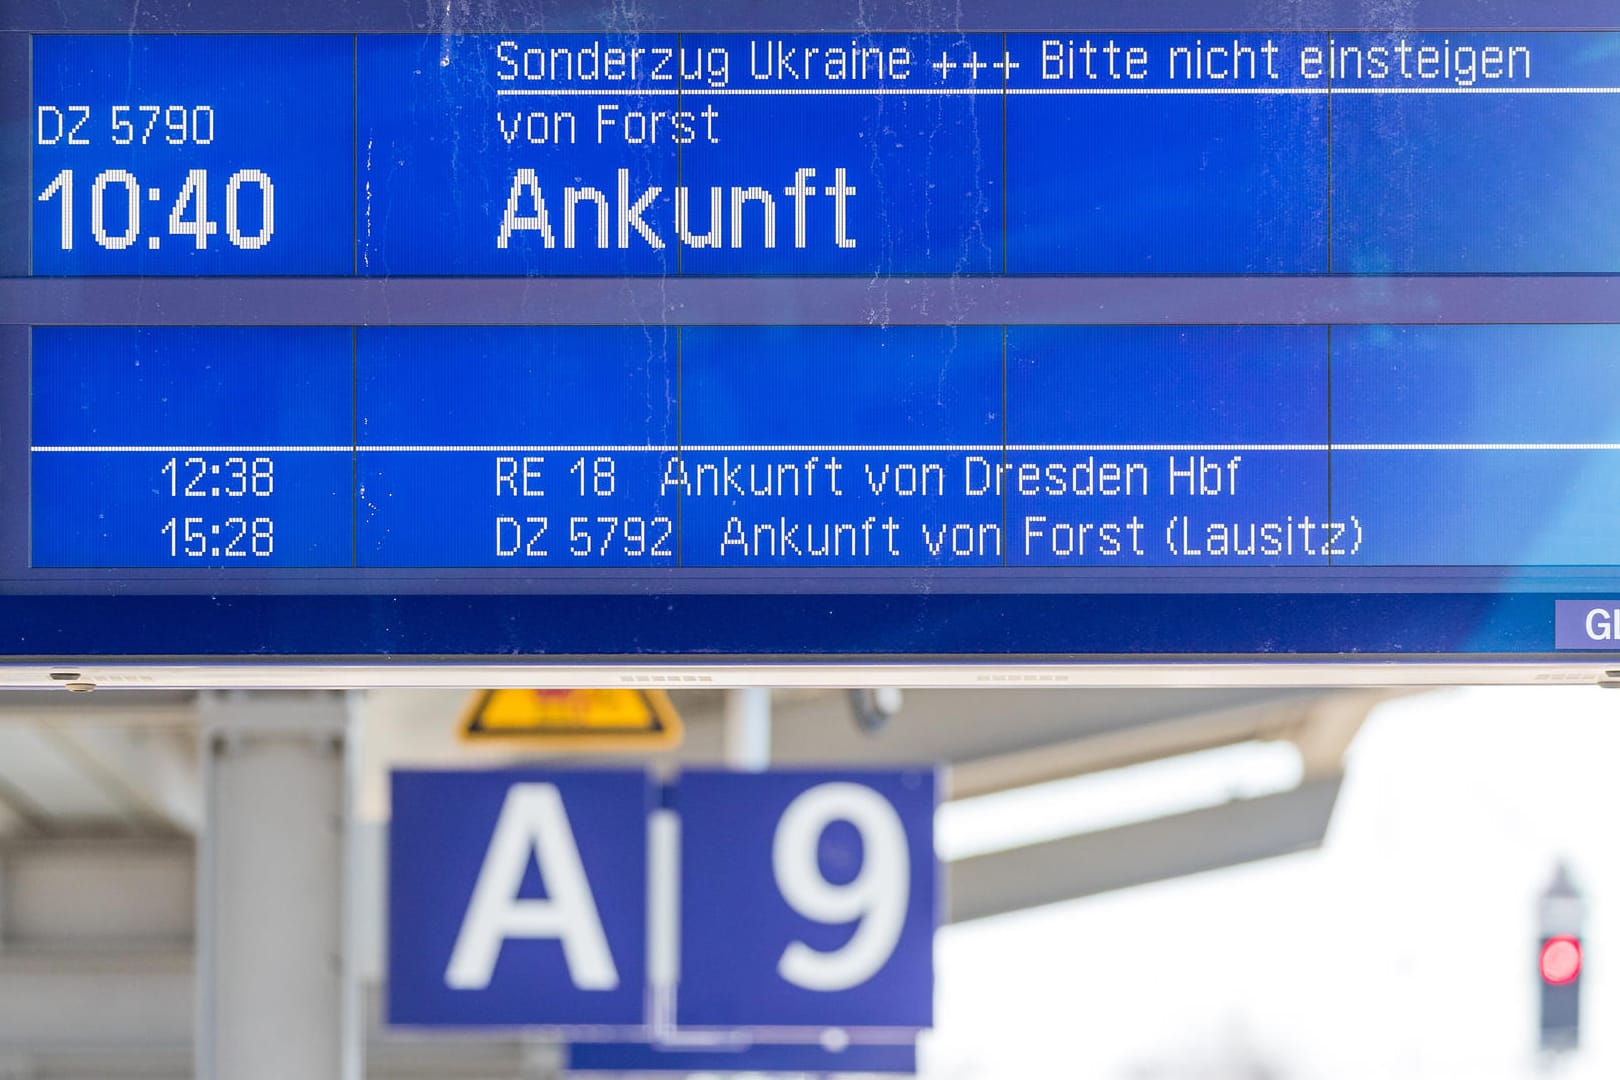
(80, 896)
(154, 773)
(1244, 830)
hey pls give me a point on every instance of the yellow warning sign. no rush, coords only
(583, 720)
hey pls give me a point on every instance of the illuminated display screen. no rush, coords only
(1051, 335)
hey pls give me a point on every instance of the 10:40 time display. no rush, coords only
(188, 214)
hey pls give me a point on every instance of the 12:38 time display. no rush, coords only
(234, 477)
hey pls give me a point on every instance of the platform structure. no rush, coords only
(185, 878)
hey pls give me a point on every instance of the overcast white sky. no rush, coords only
(1404, 948)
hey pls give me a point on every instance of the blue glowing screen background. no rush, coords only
(1053, 334)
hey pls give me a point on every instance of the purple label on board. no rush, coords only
(1588, 624)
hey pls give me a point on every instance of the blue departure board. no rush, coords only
(1047, 333)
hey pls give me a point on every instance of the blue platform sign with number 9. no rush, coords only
(807, 899)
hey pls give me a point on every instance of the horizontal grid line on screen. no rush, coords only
(783, 91)
(346, 449)
(1165, 446)
(1476, 90)
(1476, 446)
(713, 448)
(511, 449)
(829, 447)
(1058, 91)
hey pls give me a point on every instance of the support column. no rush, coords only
(275, 998)
(748, 729)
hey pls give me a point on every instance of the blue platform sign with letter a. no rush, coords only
(808, 899)
(517, 898)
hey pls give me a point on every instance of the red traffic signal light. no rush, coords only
(1560, 960)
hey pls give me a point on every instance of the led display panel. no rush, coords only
(726, 336)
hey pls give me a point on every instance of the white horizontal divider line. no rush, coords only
(944, 448)
(1476, 90)
(1158, 447)
(764, 91)
(348, 449)
(1046, 91)
(366, 448)
(1476, 446)
(829, 448)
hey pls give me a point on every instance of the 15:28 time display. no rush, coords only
(232, 538)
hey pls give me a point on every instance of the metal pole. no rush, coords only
(748, 729)
(274, 997)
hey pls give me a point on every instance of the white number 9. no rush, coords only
(878, 896)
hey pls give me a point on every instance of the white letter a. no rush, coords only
(527, 181)
(532, 822)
